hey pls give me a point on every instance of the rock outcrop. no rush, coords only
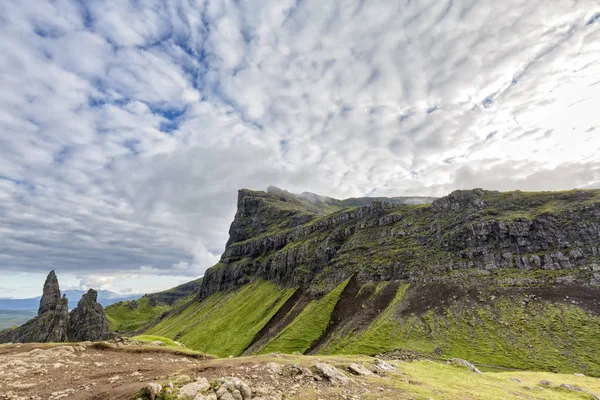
(51, 295)
(87, 321)
(471, 233)
(52, 322)
(55, 324)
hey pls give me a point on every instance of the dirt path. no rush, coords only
(45, 372)
(77, 372)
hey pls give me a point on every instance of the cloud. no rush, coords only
(126, 127)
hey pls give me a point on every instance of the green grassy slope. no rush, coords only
(502, 332)
(225, 323)
(306, 327)
(129, 316)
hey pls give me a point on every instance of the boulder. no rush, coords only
(194, 388)
(578, 389)
(384, 366)
(464, 363)
(233, 389)
(152, 390)
(358, 369)
(331, 373)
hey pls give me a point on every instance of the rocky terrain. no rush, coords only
(54, 323)
(126, 369)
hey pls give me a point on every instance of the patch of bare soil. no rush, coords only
(36, 372)
(282, 318)
(355, 310)
(420, 299)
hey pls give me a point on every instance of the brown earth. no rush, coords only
(92, 371)
(357, 307)
(437, 297)
(282, 318)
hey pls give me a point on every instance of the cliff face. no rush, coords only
(511, 238)
(55, 324)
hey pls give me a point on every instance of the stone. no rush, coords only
(331, 373)
(50, 326)
(464, 363)
(88, 321)
(153, 389)
(210, 396)
(578, 389)
(157, 343)
(358, 369)
(232, 388)
(191, 389)
(545, 383)
(384, 366)
(273, 367)
(51, 294)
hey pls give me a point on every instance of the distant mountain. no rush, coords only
(105, 297)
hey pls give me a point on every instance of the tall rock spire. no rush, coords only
(51, 297)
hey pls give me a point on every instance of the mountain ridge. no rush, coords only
(510, 279)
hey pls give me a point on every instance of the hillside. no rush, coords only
(507, 279)
(132, 315)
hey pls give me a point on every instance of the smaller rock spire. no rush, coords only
(51, 295)
(87, 321)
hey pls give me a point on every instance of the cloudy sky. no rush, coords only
(127, 126)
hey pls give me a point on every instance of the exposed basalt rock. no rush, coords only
(87, 321)
(460, 199)
(541, 239)
(55, 324)
(51, 295)
(50, 326)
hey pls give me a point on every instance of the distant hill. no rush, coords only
(105, 297)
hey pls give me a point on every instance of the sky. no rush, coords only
(127, 126)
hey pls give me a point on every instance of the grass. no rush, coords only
(502, 332)
(308, 326)
(129, 316)
(428, 379)
(424, 379)
(150, 338)
(225, 323)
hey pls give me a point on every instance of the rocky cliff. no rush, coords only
(512, 238)
(55, 324)
(506, 279)
(51, 294)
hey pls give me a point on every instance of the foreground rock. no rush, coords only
(331, 373)
(358, 369)
(464, 363)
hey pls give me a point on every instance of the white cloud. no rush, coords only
(126, 128)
